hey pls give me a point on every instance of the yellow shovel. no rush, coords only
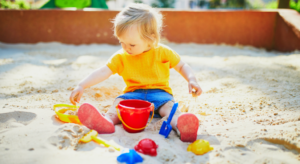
(92, 135)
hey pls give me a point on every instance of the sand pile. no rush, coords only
(68, 136)
(249, 110)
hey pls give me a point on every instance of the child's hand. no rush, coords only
(76, 95)
(194, 85)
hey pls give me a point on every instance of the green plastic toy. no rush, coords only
(79, 4)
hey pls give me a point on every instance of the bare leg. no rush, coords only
(165, 110)
(186, 125)
(112, 113)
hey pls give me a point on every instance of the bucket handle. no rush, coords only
(64, 105)
(131, 127)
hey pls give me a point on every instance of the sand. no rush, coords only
(249, 109)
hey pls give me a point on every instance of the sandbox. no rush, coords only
(249, 109)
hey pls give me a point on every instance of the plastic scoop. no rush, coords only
(92, 135)
(166, 127)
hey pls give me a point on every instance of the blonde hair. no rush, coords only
(147, 19)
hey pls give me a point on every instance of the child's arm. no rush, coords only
(186, 71)
(95, 77)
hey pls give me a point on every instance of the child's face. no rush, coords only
(132, 43)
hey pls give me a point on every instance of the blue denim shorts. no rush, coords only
(156, 96)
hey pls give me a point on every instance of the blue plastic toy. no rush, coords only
(166, 127)
(129, 156)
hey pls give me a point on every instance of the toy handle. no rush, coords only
(174, 108)
(104, 142)
(119, 116)
(64, 105)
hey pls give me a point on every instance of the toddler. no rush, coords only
(144, 65)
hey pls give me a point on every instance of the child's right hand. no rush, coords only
(76, 95)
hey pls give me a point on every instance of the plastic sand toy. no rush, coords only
(147, 146)
(64, 117)
(92, 135)
(129, 156)
(166, 127)
(134, 114)
(200, 147)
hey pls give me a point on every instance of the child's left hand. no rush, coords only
(194, 85)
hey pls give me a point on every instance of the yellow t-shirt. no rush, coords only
(149, 70)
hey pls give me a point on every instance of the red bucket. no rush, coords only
(134, 114)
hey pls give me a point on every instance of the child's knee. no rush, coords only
(166, 109)
(112, 109)
(168, 105)
(116, 102)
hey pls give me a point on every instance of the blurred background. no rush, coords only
(174, 4)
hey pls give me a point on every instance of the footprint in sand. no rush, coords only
(15, 119)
